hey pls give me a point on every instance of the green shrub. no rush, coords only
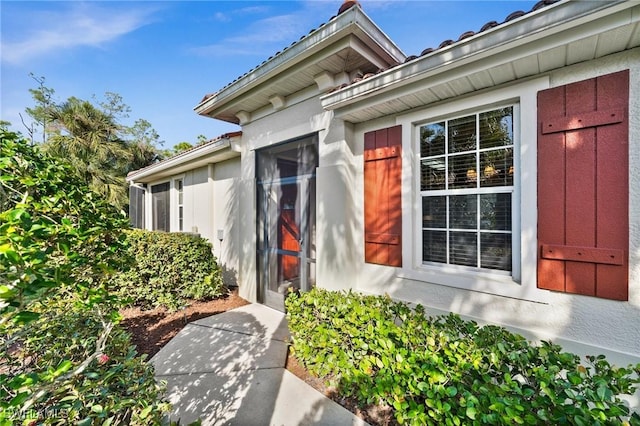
(116, 387)
(443, 370)
(169, 269)
(61, 351)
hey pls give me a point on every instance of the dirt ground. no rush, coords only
(152, 329)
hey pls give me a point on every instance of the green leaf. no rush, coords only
(471, 413)
(25, 317)
(63, 368)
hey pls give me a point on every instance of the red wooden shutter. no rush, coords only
(583, 189)
(382, 196)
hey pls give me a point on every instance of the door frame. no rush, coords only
(266, 249)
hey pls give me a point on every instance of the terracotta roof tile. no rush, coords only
(348, 4)
(446, 43)
(488, 26)
(466, 35)
(515, 15)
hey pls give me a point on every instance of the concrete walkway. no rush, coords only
(228, 369)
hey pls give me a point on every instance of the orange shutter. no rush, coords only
(583, 189)
(382, 196)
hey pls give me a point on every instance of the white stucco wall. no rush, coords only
(581, 324)
(210, 201)
(226, 220)
(198, 202)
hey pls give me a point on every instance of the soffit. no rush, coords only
(562, 34)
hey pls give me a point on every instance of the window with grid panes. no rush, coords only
(180, 189)
(466, 186)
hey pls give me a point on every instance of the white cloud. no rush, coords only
(221, 17)
(79, 24)
(242, 12)
(259, 38)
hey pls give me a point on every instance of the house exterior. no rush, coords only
(496, 176)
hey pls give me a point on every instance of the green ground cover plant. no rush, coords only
(168, 270)
(445, 370)
(63, 357)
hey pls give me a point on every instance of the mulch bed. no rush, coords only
(152, 329)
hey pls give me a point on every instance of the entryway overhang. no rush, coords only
(347, 46)
(553, 37)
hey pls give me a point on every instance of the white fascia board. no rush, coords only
(179, 160)
(348, 21)
(555, 20)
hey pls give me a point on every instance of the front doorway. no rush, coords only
(286, 228)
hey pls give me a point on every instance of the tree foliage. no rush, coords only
(92, 137)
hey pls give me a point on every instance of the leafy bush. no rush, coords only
(443, 370)
(169, 269)
(116, 387)
(61, 351)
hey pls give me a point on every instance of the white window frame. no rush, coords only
(175, 206)
(476, 191)
(521, 283)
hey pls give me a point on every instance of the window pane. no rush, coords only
(462, 171)
(462, 134)
(497, 167)
(432, 174)
(434, 212)
(434, 246)
(496, 128)
(463, 211)
(432, 140)
(495, 212)
(464, 248)
(495, 251)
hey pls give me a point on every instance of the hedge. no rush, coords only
(169, 269)
(444, 370)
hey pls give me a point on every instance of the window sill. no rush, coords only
(495, 284)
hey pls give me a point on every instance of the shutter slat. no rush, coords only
(612, 202)
(583, 254)
(582, 121)
(551, 153)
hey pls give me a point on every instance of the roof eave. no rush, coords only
(297, 52)
(535, 25)
(212, 152)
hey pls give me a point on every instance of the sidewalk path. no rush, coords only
(228, 369)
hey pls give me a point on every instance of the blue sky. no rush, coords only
(163, 57)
